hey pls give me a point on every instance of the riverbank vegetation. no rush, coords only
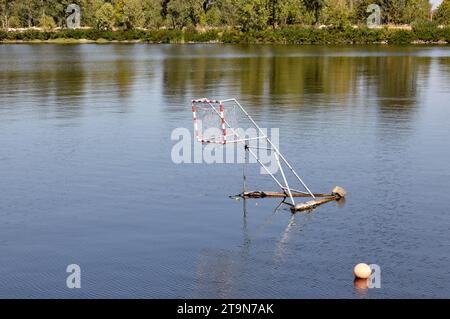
(287, 35)
(228, 21)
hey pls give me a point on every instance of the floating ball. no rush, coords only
(362, 271)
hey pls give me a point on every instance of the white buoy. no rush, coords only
(362, 271)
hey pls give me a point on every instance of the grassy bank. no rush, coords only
(288, 35)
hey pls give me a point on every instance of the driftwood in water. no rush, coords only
(263, 194)
(336, 194)
(313, 203)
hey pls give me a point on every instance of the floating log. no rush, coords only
(264, 194)
(313, 204)
(336, 194)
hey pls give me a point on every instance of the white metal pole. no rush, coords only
(284, 178)
(245, 168)
(275, 148)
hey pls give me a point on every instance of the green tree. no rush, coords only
(212, 12)
(246, 14)
(175, 12)
(214, 17)
(88, 10)
(47, 23)
(164, 8)
(228, 12)
(442, 14)
(195, 12)
(336, 13)
(18, 15)
(57, 10)
(29, 12)
(105, 16)
(133, 11)
(395, 12)
(152, 13)
(221, 12)
(15, 22)
(315, 7)
(253, 15)
(274, 7)
(5, 8)
(186, 12)
(208, 4)
(294, 12)
(119, 13)
(404, 11)
(416, 11)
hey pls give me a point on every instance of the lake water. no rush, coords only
(86, 174)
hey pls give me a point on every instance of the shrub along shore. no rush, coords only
(287, 35)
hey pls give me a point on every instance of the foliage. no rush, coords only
(442, 14)
(133, 11)
(229, 11)
(294, 12)
(253, 15)
(47, 23)
(286, 35)
(105, 17)
(416, 11)
(89, 9)
(152, 14)
(336, 13)
(395, 12)
(15, 22)
(315, 7)
(186, 12)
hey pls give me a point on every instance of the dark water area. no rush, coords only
(87, 177)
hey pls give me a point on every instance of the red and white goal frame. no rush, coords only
(217, 107)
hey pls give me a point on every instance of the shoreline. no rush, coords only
(289, 36)
(68, 41)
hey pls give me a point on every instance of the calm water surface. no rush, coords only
(86, 174)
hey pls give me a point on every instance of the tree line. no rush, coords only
(247, 15)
